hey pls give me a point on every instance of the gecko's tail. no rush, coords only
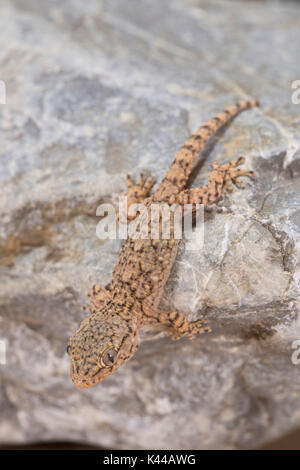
(180, 170)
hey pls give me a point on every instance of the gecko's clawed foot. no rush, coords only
(141, 189)
(97, 295)
(136, 193)
(198, 327)
(233, 174)
(87, 308)
(192, 328)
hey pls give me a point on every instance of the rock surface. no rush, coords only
(95, 90)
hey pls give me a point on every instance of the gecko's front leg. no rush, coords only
(221, 177)
(177, 324)
(98, 295)
(136, 193)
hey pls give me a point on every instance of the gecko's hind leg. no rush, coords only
(137, 192)
(97, 296)
(221, 176)
(232, 174)
(178, 325)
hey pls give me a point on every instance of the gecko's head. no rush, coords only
(99, 347)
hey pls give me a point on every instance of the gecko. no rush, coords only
(109, 335)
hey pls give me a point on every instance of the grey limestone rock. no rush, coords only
(98, 89)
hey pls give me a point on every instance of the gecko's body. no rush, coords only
(109, 335)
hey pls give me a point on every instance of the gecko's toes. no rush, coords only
(252, 174)
(229, 186)
(142, 187)
(87, 308)
(149, 183)
(130, 181)
(239, 183)
(234, 176)
(240, 160)
(199, 327)
(141, 180)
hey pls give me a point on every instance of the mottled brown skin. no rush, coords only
(109, 335)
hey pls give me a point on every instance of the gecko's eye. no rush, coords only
(109, 357)
(68, 349)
